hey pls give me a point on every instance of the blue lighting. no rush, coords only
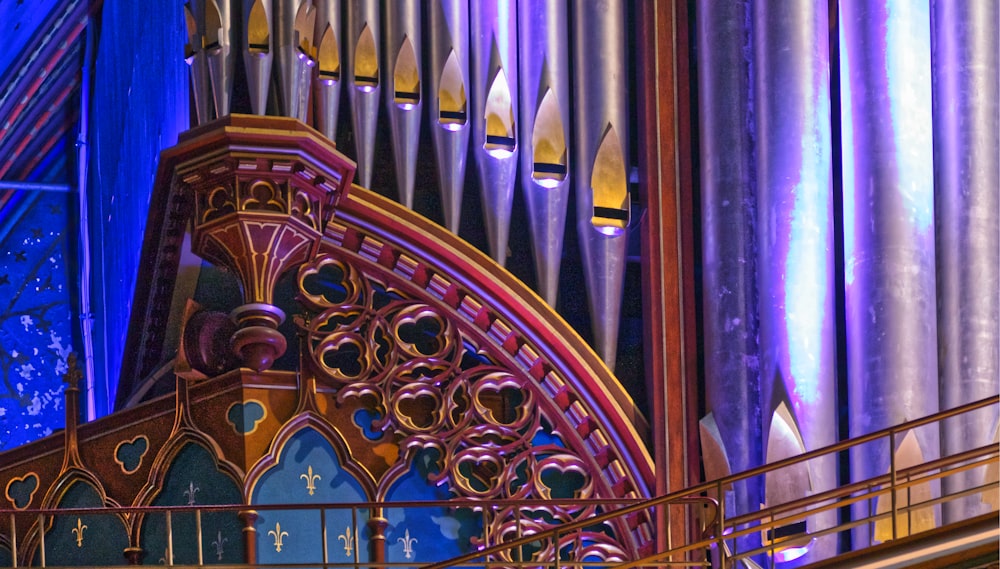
(908, 49)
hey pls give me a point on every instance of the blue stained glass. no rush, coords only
(37, 308)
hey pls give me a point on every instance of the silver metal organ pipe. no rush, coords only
(362, 35)
(728, 205)
(293, 39)
(219, 41)
(327, 36)
(795, 270)
(258, 50)
(889, 231)
(448, 28)
(600, 162)
(194, 54)
(493, 26)
(403, 50)
(543, 67)
(967, 178)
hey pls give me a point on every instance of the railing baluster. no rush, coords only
(720, 533)
(170, 540)
(13, 539)
(197, 528)
(892, 481)
(322, 525)
(41, 538)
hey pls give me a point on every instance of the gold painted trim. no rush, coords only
(255, 425)
(132, 441)
(31, 497)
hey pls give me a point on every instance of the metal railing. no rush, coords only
(533, 539)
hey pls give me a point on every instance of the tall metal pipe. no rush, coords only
(219, 41)
(729, 248)
(403, 101)
(493, 26)
(965, 57)
(600, 162)
(543, 65)
(362, 34)
(448, 28)
(83, 163)
(327, 36)
(194, 54)
(257, 41)
(888, 226)
(795, 271)
(293, 27)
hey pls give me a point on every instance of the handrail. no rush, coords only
(719, 483)
(718, 530)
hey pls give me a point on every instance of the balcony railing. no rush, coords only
(881, 509)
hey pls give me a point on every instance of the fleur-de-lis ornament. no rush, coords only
(407, 542)
(310, 479)
(218, 543)
(279, 536)
(78, 530)
(190, 492)
(348, 541)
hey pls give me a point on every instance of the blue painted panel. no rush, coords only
(309, 472)
(427, 534)
(91, 540)
(193, 479)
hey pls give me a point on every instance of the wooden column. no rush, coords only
(668, 237)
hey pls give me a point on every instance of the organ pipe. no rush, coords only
(600, 162)
(296, 55)
(194, 54)
(888, 225)
(448, 28)
(494, 74)
(403, 101)
(728, 205)
(543, 65)
(795, 243)
(364, 79)
(328, 76)
(967, 174)
(258, 51)
(219, 41)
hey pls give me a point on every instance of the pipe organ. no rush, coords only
(496, 72)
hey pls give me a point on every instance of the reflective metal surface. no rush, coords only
(447, 96)
(729, 248)
(795, 246)
(544, 132)
(294, 28)
(967, 177)
(493, 33)
(600, 154)
(403, 97)
(327, 36)
(220, 39)
(888, 223)
(258, 48)
(362, 41)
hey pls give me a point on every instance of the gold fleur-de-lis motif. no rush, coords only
(407, 542)
(78, 530)
(190, 492)
(310, 479)
(348, 541)
(218, 543)
(279, 536)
